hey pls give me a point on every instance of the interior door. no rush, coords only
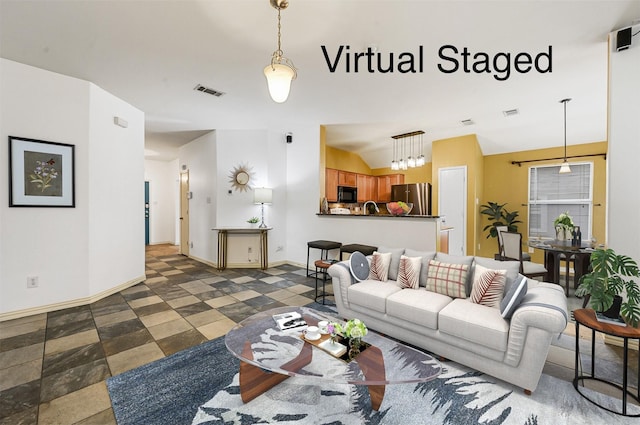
(184, 213)
(452, 204)
(146, 213)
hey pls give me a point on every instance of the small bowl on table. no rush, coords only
(399, 208)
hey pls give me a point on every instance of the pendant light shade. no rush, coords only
(280, 72)
(279, 79)
(564, 168)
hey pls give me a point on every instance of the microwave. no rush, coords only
(347, 195)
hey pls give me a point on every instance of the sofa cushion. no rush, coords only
(394, 266)
(409, 272)
(512, 268)
(447, 279)
(513, 297)
(475, 323)
(417, 306)
(488, 286)
(458, 259)
(379, 267)
(371, 294)
(424, 266)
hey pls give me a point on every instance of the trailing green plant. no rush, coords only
(610, 277)
(498, 215)
(253, 220)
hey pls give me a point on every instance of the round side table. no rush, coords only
(587, 317)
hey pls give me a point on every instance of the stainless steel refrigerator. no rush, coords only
(419, 194)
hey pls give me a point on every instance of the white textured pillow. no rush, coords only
(379, 268)
(488, 286)
(409, 272)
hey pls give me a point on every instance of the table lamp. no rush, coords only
(262, 195)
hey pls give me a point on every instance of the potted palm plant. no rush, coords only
(610, 278)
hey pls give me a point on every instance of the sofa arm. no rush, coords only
(341, 279)
(545, 308)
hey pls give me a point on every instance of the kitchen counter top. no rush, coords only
(377, 216)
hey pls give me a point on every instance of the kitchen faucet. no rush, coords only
(364, 207)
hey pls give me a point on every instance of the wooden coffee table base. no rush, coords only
(255, 381)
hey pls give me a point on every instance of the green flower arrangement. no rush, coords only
(565, 221)
(353, 329)
(253, 220)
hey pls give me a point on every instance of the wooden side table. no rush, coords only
(222, 244)
(587, 317)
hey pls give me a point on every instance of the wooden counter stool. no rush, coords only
(321, 268)
(351, 248)
(324, 247)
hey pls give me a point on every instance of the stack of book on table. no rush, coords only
(290, 321)
(611, 320)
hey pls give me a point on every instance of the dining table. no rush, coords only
(556, 251)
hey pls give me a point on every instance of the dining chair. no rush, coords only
(525, 255)
(512, 245)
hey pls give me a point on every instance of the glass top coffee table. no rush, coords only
(268, 356)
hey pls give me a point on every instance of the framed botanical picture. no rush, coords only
(41, 174)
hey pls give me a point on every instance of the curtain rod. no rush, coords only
(519, 163)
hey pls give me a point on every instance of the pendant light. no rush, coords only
(394, 163)
(280, 72)
(420, 161)
(565, 165)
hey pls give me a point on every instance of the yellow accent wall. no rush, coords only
(505, 182)
(346, 161)
(461, 151)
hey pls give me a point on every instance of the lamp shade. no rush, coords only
(564, 168)
(279, 78)
(262, 195)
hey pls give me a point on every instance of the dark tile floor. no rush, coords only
(53, 366)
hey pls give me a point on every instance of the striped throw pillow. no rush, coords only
(409, 272)
(447, 279)
(488, 286)
(379, 268)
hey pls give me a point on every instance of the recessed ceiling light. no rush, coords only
(468, 121)
(208, 90)
(511, 112)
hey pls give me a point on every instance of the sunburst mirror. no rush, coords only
(240, 177)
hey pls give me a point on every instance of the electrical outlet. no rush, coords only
(530, 250)
(32, 281)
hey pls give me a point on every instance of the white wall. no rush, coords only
(623, 226)
(199, 157)
(57, 244)
(116, 192)
(164, 191)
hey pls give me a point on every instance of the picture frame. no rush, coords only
(41, 173)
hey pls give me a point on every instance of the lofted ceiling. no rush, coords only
(153, 53)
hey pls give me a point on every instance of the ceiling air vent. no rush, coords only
(510, 112)
(207, 90)
(468, 121)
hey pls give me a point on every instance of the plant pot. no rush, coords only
(614, 310)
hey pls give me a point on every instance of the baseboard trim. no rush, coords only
(17, 314)
(633, 343)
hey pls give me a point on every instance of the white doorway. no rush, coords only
(184, 213)
(452, 204)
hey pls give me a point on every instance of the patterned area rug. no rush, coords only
(200, 386)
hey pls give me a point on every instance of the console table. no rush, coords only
(223, 233)
(587, 317)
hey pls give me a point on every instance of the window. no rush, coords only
(552, 193)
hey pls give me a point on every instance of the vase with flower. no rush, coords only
(354, 330)
(564, 226)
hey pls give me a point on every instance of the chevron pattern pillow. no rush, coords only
(379, 268)
(488, 286)
(447, 279)
(409, 272)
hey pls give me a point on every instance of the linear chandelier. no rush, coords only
(280, 72)
(398, 162)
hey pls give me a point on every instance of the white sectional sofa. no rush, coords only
(512, 349)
